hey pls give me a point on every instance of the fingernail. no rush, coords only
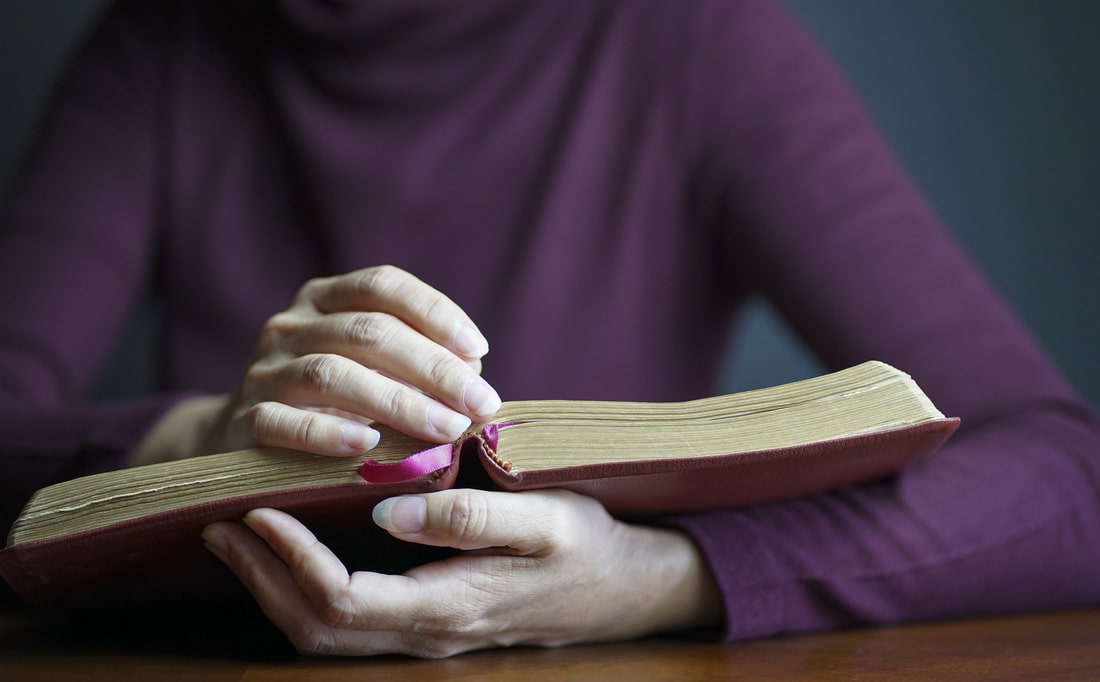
(401, 514)
(481, 399)
(446, 422)
(358, 437)
(469, 341)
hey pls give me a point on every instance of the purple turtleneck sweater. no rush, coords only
(601, 185)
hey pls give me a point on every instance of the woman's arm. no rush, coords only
(822, 220)
(77, 243)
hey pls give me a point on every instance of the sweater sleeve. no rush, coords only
(819, 218)
(77, 244)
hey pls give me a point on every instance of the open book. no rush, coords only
(117, 530)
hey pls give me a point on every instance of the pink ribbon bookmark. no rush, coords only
(414, 466)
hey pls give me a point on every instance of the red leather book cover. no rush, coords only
(161, 556)
(692, 484)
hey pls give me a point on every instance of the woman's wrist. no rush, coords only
(689, 598)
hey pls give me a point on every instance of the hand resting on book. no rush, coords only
(376, 344)
(544, 568)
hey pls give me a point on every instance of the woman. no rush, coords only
(600, 187)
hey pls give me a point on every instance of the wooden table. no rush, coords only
(1048, 646)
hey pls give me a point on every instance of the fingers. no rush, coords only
(306, 591)
(364, 601)
(557, 585)
(273, 586)
(333, 381)
(391, 290)
(390, 346)
(376, 345)
(283, 426)
(275, 589)
(529, 525)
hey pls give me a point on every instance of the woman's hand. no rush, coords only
(372, 345)
(544, 568)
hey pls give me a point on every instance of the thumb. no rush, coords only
(469, 519)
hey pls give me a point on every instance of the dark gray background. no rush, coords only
(993, 105)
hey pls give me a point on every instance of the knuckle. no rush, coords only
(560, 522)
(381, 286)
(465, 625)
(420, 646)
(271, 423)
(430, 305)
(312, 288)
(308, 430)
(466, 515)
(551, 528)
(339, 612)
(321, 373)
(366, 330)
(375, 280)
(437, 368)
(394, 402)
(260, 420)
(282, 322)
(276, 328)
(312, 638)
(438, 648)
(451, 624)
